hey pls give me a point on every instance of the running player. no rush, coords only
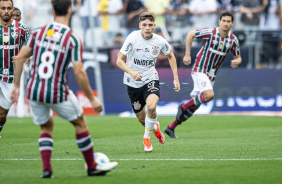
(12, 36)
(217, 43)
(142, 49)
(54, 46)
(17, 14)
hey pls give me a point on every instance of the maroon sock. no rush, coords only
(2, 122)
(45, 147)
(85, 145)
(173, 125)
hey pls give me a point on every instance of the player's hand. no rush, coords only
(176, 85)
(187, 60)
(15, 94)
(14, 59)
(136, 75)
(234, 63)
(97, 105)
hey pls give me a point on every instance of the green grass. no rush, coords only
(204, 140)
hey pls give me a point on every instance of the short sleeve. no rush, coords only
(127, 45)
(165, 47)
(76, 48)
(30, 39)
(235, 47)
(204, 33)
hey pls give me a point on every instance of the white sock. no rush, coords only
(155, 128)
(149, 125)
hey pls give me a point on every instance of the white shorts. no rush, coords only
(5, 94)
(69, 110)
(201, 83)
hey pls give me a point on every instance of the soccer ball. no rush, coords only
(100, 158)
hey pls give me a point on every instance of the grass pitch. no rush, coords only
(211, 149)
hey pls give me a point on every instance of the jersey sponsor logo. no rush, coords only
(56, 47)
(138, 49)
(215, 42)
(155, 50)
(205, 31)
(147, 50)
(6, 71)
(217, 52)
(144, 62)
(151, 86)
(51, 35)
(216, 36)
(166, 46)
(10, 47)
(128, 47)
(136, 105)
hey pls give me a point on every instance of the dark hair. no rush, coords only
(8, 0)
(15, 8)
(227, 14)
(61, 6)
(147, 15)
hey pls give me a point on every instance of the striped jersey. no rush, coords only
(213, 51)
(11, 40)
(54, 47)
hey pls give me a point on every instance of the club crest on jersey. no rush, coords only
(15, 35)
(155, 50)
(136, 105)
(204, 84)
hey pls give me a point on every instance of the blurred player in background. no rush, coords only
(142, 49)
(17, 14)
(12, 36)
(217, 43)
(54, 46)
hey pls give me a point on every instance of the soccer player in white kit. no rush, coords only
(142, 49)
(217, 43)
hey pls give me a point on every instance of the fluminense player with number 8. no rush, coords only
(12, 36)
(54, 46)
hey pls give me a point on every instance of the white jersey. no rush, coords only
(142, 55)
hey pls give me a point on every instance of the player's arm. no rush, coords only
(83, 82)
(173, 65)
(18, 61)
(136, 75)
(236, 61)
(187, 58)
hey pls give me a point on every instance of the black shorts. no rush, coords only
(138, 96)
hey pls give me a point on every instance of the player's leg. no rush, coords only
(71, 111)
(42, 116)
(3, 117)
(5, 102)
(202, 93)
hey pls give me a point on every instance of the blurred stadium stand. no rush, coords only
(259, 77)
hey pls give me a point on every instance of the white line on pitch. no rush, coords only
(184, 159)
